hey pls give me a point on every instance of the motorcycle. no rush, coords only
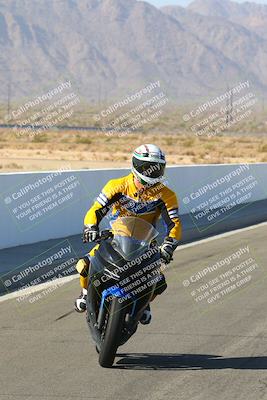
(123, 275)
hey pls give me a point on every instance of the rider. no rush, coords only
(141, 194)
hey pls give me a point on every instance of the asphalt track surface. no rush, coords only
(190, 351)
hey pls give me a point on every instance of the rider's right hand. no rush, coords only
(90, 233)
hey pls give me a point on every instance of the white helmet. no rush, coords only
(148, 164)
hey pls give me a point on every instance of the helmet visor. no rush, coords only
(149, 169)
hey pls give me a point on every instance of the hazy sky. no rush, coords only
(159, 3)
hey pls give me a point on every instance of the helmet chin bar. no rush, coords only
(144, 180)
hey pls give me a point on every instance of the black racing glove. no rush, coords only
(167, 248)
(90, 233)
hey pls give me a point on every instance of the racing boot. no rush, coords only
(82, 267)
(80, 303)
(146, 317)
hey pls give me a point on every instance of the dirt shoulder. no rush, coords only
(86, 150)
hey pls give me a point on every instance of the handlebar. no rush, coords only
(104, 235)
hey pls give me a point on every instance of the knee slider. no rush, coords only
(82, 266)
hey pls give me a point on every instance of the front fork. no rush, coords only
(108, 295)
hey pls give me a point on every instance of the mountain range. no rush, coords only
(250, 15)
(112, 48)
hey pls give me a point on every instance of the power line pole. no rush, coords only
(231, 105)
(8, 99)
(227, 106)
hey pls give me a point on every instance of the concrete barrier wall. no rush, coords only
(46, 205)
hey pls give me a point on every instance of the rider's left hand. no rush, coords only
(167, 248)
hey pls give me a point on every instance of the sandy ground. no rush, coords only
(85, 150)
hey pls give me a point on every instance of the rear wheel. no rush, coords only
(112, 334)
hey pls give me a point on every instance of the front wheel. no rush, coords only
(112, 335)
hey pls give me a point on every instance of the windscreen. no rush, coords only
(132, 235)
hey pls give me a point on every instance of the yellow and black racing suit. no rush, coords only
(122, 196)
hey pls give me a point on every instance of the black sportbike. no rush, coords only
(122, 278)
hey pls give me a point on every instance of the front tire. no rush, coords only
(112, 334)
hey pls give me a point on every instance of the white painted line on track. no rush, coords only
(220, 236)
(61, 281)
(37, 288)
